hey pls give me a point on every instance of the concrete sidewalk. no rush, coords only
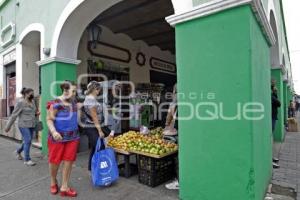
(18, 181)
(286, 179)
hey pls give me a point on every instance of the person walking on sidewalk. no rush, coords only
(291, 110)
(275, 105)
(26, 112)
(63, 137)
(93, 118)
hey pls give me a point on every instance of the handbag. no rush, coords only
(39, 126)
(104, 129)
(104, 165)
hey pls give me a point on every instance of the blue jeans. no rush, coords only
(27, 134)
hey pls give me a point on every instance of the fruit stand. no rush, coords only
(126, 168)
(155, 157)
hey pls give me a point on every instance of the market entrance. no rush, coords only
(131, 41)
(122, 41)
(132, 46)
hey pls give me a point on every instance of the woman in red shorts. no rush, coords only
(63, 137)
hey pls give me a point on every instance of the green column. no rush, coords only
(224, 59)
(285, 100)
(279, 129)
(290, 94)
(50, 74)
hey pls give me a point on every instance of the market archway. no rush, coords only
(134, 35)
(275, 58)
(68, 29)
(30, 47)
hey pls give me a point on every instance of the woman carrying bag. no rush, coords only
(26, 112)
(93, 118)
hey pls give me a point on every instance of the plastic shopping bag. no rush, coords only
(104, 165)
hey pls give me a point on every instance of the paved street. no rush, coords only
(32, 183)
(288, 176)
(21, 182)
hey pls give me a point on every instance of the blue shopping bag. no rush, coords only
(104, 165)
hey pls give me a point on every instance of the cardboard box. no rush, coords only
(292, 125)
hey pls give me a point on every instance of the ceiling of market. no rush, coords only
(142, 20)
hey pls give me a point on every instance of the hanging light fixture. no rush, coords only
(94, 34)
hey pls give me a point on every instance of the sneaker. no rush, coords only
(275, 165)
(173, 186)
(18, 155)
(29, 163)
(276, 160)
(269, 198)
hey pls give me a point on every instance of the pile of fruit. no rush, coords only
(157, 131)
(136, 142)
(122, 141)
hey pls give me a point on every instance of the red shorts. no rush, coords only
(64, 151)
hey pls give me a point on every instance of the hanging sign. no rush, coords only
(110, 51)
(157, 63)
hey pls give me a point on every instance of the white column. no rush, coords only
(19, 70)
(2, 84)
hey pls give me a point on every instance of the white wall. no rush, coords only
(138, 74)
(3, 71)
(30, 75)
(2, 79)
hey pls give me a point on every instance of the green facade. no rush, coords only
(227, 55)
(54, 72)
(290, 94)
(28, 12)
(279, 129)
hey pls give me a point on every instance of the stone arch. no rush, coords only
(274, 53)
(76, 17)
(29, 50)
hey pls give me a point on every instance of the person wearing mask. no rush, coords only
(93, 118)
(26, 112)
(63, 137)
(275, 105)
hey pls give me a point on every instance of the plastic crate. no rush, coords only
(153, 172)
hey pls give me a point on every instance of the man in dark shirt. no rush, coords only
(275, 105)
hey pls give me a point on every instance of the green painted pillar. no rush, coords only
(285, 101)
(51, 76)
(290, 94)
(279, 129)
(224, 59)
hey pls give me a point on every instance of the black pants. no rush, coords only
(174, 139)
(93, 135)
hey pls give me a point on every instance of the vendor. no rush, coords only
(170, 133)
(171, 125)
